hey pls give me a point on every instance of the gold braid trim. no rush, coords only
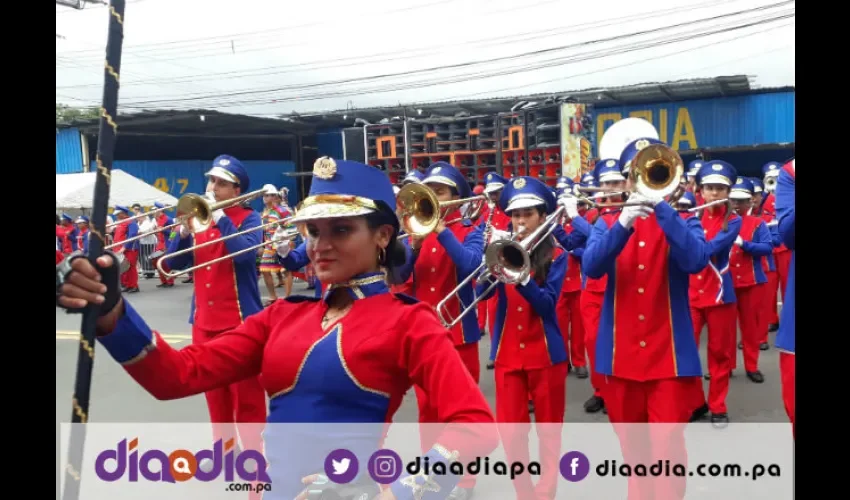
(78, 411)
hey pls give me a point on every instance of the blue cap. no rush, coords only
(693, 168)
(445, 173)
(608, 171)
(524, 192)
(565, 182)
(742, 189)
(83, 219)
(230, 169)
(414, 176)
(588, 177)
(631, 151)
(67, 217)
(159, 205)
(346, 188)
(771, 168)
(687, 199)
(758, 185)
(121, 209)
(494, 182)
(717, 172)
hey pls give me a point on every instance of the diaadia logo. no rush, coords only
(180, 465)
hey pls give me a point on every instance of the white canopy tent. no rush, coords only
(76, 191)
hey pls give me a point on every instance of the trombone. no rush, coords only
(140, 216)
(287, 237)
(196, 213)
(420, 211)
(505, 261)
(657, 173)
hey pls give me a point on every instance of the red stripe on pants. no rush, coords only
(548, 390)
(788, 372)
(750, 316)
(130, 279)
(664, 403)
(591, 309)
(722, 329)
(242, 403)
(568, 312)
(428, 413)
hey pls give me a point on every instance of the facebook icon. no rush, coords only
(574, 466)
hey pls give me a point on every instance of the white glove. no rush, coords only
(497, 235)
(629, 214)
(184, 231)
(217, 214)
(570, 203)
(526, 280)
(739, 241)
(283, 246)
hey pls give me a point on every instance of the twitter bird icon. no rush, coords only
(341, 466)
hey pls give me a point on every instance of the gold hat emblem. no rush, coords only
(519, 183)
(610, 163)
(641, 144)
(324, 168)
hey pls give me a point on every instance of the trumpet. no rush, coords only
(194, 211)
(420, 211)
(285, 238)
(505, 261)
(770, 183)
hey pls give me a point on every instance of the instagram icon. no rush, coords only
(385, 466)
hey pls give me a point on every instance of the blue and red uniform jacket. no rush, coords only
(500, 219)
(126, 230)
(225, 292)
(296, 259)
(645, 329)
(593, 216)
(441, 263)
(769, 214)
(80, 240)
(163, 220)
(564, 236)
(526, 334)
(786, 339)
(712, 285)
(746, 260)
(351, 374)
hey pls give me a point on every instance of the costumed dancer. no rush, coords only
(309, 351)
(786, 336)
(269, 261)
(712, 294)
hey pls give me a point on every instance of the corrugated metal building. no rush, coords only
(69, 151)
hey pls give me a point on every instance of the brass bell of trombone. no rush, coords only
(420, 210)
(196, 210)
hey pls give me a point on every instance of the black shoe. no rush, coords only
(707, 376)
(772, 328)
(699, 413)
(764, 346)
(188, 280)
(531, 407)
(594, 404)
(719, 420)
(581, 372)
(740, 345)
(491, 365)
(131, 290)
(165, 285)
(756, 377)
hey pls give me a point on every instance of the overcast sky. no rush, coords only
(270, 57)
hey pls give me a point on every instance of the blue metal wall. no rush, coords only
(187, 176)
(69, 153)
(711, 123)
(329, 143)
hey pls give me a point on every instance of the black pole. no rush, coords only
(100, 204)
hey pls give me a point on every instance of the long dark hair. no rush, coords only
(541, 257)
(395, 255)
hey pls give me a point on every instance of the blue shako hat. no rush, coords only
(524, 192)
(230, 169)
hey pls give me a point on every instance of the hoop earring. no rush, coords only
(382, 255)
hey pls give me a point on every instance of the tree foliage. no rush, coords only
(67, 114)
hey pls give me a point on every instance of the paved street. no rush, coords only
(116, 398)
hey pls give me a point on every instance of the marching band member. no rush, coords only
(269, 261)
(125, 230)
(786, 336)
(499, 222)
(60, 239)
(81, 235)
(748, 278)
(531, 354)
(712, 294)
(226, 295)
(686, 202)
(407, 287)
(439, 262)
(693, 168)
(68, 225)
(781, 255)
(293, 259)
(162, 219)
(645, 347)
(321, 361)
(768, 310)
(592, 297)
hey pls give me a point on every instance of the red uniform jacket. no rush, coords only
(355, 371)
(746, 260)
(225, 292)
(441, 263)
(645, 329)
(768, 213)
(712, 285)
(572, 279)
(592, 216)
(163, 220)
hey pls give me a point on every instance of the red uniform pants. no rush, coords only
(770, 294)
(130, 279)
(591, 311)
(753, 326)
(788, 372)
(242, 403)
(664, 403)
(162, 278)
(428, 413)
(722, 330)
(568, 312)
(548, 389)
